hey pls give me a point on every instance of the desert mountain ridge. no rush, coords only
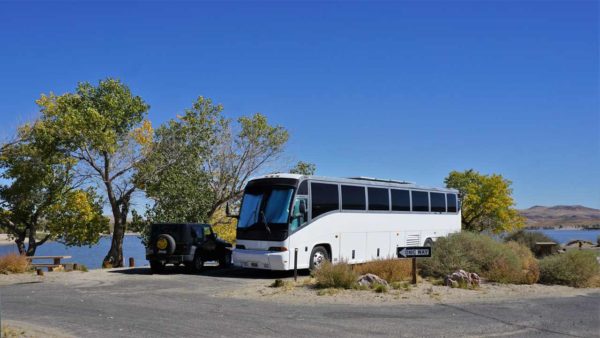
(561, 215)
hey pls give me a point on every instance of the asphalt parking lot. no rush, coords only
(134, 303)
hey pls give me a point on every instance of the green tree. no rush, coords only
(304, 168)
(43, 198)
(487, 202)
(198, 163)
(102, 128)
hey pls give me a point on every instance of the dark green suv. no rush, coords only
(189, 244)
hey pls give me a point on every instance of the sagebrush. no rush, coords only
(574, 268)
(479, 253)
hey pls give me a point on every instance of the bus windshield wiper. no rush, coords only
(263, 220)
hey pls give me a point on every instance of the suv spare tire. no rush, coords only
(165, 242)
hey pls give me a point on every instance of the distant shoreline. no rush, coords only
(4, 240)
(561, 228)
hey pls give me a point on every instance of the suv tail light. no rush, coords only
(278, 248)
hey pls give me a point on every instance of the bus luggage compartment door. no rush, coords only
(353, 247)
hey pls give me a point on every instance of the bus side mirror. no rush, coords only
(228, 212)
(302, 207)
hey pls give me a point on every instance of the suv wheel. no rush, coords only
(225, 261)
(157, 266)
(197, 263)
(318, 256)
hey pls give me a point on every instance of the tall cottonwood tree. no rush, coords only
(103, 128)
(43, 198)
(487, 202)
(200, 160)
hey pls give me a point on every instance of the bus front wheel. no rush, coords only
(318, 256)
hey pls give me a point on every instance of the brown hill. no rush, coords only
(561, 215)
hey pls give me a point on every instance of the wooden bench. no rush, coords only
(50, 267)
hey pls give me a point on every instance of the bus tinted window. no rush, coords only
(438, 202)
(400, 200)
(378, 199)
(451, 202)
(324, 198)
(420, 201)
(303, 188)
(353, 198)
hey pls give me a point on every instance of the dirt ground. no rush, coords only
(303, 291)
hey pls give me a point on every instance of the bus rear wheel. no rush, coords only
(318, 256)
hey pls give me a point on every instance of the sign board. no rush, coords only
(414, 251)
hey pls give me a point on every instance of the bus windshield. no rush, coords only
(265, 206)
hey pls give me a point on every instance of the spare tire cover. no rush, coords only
(165, 243)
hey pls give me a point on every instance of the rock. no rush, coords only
(371, 279)
(461, 277)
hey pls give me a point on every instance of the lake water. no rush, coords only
(89, 256)
(565, 236)
(133, 247)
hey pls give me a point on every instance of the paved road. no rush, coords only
(139, 305)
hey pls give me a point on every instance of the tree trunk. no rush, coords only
(20, 241)
(114, 257)
(32, 243)
(31, 247)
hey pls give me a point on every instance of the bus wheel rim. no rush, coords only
(318, 258)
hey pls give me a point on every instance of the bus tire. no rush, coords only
(429, 242)
(318, 256)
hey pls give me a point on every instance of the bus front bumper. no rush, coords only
(261, 259)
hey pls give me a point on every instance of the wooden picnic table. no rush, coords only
(545, 247)
(55, 260)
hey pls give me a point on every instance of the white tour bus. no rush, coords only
(338, 219)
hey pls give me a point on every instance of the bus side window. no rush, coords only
(299, 213)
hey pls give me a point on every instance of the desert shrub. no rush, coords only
(529, 239)
(277, 283)
(13, 263)
(574, 268)
(392, 270)
(529, 264)
(401, 286)
(380, 288)
(496, 261)
(339, 276)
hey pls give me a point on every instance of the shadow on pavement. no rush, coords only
(214, 272)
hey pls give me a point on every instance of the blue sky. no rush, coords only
(405, 90)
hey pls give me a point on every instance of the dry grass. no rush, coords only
(392, 270)
(10, 332)
(13, 263)
(339, 276)
(285, 285)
